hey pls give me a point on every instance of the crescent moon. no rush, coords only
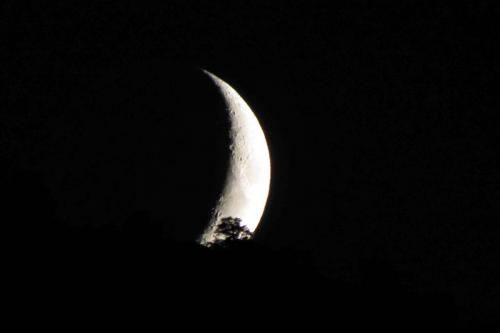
(246, 188)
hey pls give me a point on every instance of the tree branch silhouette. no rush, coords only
(230, 231)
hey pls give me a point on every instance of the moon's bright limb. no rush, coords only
(248, 177)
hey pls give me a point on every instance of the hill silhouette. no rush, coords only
(136, 266)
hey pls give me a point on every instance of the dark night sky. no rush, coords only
(379, 121)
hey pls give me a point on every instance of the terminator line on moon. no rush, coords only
(248, 177)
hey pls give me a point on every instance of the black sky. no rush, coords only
(379, 120)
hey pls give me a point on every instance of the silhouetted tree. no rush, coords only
(229, 231)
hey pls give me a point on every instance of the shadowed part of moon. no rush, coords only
(140, 137)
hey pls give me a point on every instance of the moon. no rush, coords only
(248, 177)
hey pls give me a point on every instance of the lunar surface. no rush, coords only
(246, 187)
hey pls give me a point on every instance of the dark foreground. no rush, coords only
(131, 273)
